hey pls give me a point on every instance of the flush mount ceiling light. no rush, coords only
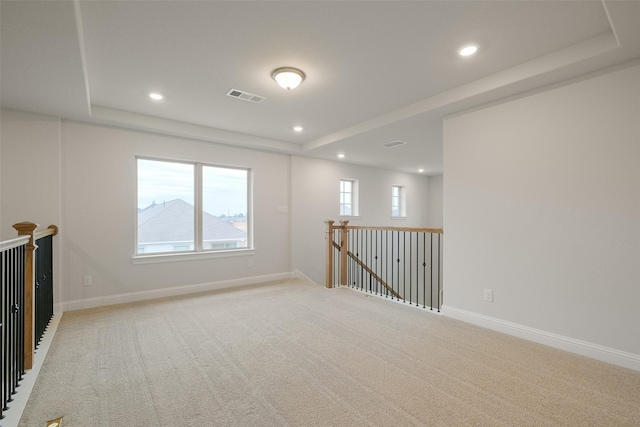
(156, 96)
(298, 128)
(288, 77)
(468, 50)
(341, 156)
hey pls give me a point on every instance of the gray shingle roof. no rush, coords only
(172, 221)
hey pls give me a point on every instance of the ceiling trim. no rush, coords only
(559, 59)
(119, 118)
(623, 18)
(83, 55)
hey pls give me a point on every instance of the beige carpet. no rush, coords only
(296, 354)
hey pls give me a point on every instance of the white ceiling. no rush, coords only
(376, 71)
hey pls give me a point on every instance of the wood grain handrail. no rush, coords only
(51, 230)
(411, 229)
(375, 276)
(14, 243)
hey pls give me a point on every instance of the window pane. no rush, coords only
(398, 201)
(347, 197)
(224, 200)
(395, 201)
(165, 206)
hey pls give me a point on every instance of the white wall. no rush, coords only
(542, 205)
(85, 175)
(315, 199)
(99, 211)
(435, 216)
(30, 172)
(82, 178)
(30, 176)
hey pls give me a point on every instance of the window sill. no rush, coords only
(399, 217)
(191, 256)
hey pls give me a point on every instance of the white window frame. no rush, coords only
(399, 202)
(198, 252)
(353, 196)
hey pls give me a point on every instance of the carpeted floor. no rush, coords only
(296, 354)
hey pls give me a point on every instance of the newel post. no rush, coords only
(329, 263)
(343, 252)
(27, 229)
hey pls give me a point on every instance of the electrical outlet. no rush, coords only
(488, 295)
(88, 281)
(250, 263)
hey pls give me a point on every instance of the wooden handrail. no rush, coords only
(375, 276)
(14, 243)
(51, 230)
(411, 229)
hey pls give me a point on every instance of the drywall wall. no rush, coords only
(542, 205)
(30, 173)
(30, 177)
(435, 215)
(86, 176)
(315, 199)
(99, 212)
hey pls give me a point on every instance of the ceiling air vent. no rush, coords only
(246, 96)
(394, 144)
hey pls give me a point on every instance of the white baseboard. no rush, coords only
(300, 275)
(572, 345)
(167, 292)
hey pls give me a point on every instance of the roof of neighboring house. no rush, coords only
(172, 221)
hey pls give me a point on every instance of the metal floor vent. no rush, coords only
(55, 423)
(246, 96)
(396, 143)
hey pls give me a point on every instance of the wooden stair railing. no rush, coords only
(401, 262)
(28, 229)
(18, 302)
(374, 275)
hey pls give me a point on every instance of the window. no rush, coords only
(188, 207)
(226, 245)
(398, 202)
(348, 197)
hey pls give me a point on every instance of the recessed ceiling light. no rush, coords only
(156, 96)
(421, 170)
(298, 128)
(341, 156)
(468, 50)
